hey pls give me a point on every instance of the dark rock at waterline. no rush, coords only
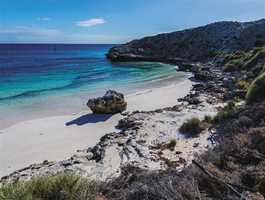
(111, 103)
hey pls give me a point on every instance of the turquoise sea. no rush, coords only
(37, 74)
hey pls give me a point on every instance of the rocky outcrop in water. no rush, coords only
(196, 44)
(112, 102)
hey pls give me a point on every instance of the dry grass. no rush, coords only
(65, 186)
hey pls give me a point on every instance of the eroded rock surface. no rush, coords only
(111, 103)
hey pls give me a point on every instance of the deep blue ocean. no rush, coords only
(35, 73)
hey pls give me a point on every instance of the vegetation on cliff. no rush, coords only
(196, 44)
(256, 92)
(251, 61)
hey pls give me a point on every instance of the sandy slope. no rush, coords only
(58, 137)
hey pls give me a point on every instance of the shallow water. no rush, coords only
(40, 80)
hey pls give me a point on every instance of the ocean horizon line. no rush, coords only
(43, 43)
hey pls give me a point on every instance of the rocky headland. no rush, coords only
(195, 44)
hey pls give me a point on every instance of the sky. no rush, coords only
(113, 21)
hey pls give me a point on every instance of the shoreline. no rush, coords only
(76, 103)
(51, 138)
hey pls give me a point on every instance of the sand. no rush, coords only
(58, 137)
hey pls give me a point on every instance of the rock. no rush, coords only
(192, 99)
(111, 103)
(195, 44)
(89, 156)
(199, 86)
(203, 76)
(186, 66)
(196, 144)
(97, 152)
(253, 196)
(235, 93)
(126, 123)
(45, 162)
(125, 113)
(228, 83)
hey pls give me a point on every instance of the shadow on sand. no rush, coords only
(88, 118)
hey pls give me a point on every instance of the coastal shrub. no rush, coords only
(252, 60)
(256, 91)
(64, 186)
(222, 116)
(191, 127)
(226, 113)
(230, 106)
(256, 60)
(234, 61)
(232, 66)
(208, 119)
(172, 143)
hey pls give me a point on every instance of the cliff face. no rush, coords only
(196, 44)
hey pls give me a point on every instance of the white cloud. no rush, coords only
(91, 22)
(44, 18)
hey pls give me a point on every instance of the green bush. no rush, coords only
(191, 127)
(234, 61)
(172, 143)
(65, 186)
(222, 116)
(226, 113)
(251, 61)
(208, 119)
(258, 56)
(230, 106)
(256, 91)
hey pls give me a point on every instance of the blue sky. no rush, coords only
(113, 21)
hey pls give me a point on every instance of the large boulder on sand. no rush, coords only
(112, 102)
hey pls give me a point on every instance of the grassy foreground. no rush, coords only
(64, 186)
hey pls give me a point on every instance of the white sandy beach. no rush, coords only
(58, 137)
